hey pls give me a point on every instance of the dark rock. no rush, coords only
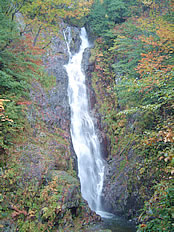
(88, 68)
(57, 99)
(85, 60)
(116, 192)
(76, 40)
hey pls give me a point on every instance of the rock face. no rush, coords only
(115, 192)
(54, 108)
(122, 193)
(88, 68)
(76, 40)
(57, 103)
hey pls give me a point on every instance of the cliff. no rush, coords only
(133, 100)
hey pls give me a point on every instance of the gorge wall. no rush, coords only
(129, 74)
(121, 193)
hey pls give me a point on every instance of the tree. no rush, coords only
(105, 14)
(17, 67)
(44, 16)
(116, 10)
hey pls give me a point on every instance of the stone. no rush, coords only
(76, 40)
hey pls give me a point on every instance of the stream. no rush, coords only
(85, 141)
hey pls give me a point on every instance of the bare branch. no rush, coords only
(47, 45)
(37, 35)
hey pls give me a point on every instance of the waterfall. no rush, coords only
(85, 141)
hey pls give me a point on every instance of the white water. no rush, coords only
(84, 138)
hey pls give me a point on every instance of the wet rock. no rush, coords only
(75, 41)
(85, 60)
(88, 68)
(116, 194)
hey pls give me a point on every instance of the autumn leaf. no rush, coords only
(143, 225)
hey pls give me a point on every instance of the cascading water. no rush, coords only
(84, 138)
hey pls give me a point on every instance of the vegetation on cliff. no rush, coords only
(39, 189)
(133, 82)
(21, 47)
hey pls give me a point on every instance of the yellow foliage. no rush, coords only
(147, 2)
(1, 104)
(3, 117)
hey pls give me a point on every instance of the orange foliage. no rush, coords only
(165, 136)
(152, 62)
(154, 67)
(32, 53)
(82, 9)
(143, 225)
(24, 103)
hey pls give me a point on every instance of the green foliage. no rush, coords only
(48, 82)
(116, 10)
(158, 212)
(44, 16)
(98, 19)
(13, 84)
(105, 14)
(20, 64)
(126, 39)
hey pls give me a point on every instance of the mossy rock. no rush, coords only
(67, 186)
(64, 176)
(92, 57)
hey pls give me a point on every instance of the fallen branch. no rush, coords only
(18, 212)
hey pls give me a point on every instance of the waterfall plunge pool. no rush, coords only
(115, 224)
